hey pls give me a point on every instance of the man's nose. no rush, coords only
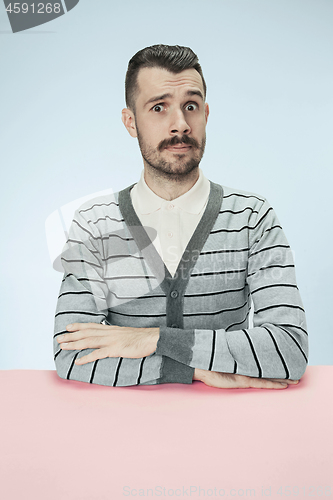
(178, 123)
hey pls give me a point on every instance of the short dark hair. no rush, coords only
(174, 58)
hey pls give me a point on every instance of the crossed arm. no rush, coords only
(126, 342)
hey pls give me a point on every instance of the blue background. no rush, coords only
(269, 72)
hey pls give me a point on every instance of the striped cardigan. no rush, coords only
(237, 254)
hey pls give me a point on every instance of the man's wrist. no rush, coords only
(199, 374)
(154, 335)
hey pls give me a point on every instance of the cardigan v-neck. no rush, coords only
(191, 252)
(174, 221)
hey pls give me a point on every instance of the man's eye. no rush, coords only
(158, 108)
(191, 107)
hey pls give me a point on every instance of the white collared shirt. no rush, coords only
(175, 221)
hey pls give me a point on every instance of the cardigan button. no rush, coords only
(174, 326)
(174, 294)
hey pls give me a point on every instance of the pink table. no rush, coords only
(64, 440)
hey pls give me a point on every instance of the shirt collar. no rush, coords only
(192, 201)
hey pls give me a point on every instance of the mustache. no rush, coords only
(185, 139)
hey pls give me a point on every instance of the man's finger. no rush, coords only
(77, 335)
(235, 381)
(258, 383)
(86, 343)
(85, 326)
(92, 356)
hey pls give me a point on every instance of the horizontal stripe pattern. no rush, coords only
(246, 255)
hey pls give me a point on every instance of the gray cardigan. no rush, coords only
(238, 252)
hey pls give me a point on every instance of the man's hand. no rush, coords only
(232, 381)
(110, 341)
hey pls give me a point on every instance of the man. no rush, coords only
(159, 277)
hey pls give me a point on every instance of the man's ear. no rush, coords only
(206, 111)
(128, 120)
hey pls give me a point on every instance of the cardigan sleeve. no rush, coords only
(83, 298)
(277, 344)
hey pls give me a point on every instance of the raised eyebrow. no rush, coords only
(195, 92)
(158, 98)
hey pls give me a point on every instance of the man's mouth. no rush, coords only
(179, 148)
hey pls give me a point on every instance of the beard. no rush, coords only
(179, 168)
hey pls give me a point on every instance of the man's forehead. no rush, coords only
(155, 81)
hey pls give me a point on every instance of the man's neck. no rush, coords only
(167, 187)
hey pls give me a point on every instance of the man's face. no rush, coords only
(170, 120)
